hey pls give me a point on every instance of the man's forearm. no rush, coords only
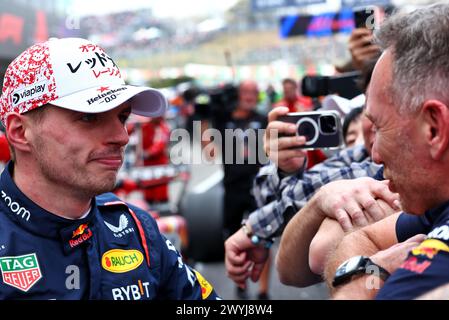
(293, 256)
(366, 241)
(365, 287)
(325, 242)
(353, 244)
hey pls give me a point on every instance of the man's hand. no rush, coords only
(392, 258)
(353, 203)
(279, 149)
(243, 259)
(362, 48)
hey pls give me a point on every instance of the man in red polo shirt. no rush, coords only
(291, 99)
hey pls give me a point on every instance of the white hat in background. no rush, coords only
(342, 105)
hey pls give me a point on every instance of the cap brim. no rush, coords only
(144, 101)
(337, 103)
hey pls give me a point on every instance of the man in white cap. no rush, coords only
(64, 106)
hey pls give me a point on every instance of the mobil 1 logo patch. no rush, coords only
(106, 95)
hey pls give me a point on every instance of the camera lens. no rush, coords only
(328, 124)
(308, 128)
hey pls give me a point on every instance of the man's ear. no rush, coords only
(436, 125)
(16, 131)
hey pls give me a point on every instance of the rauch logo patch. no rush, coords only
(120, 261)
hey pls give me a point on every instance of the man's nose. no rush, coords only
(117, 133)
(375, 154)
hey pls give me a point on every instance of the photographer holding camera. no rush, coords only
(234, 111)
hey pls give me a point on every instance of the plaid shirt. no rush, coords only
(279, 198)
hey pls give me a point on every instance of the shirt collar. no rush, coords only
(438, 213)
(30, 216)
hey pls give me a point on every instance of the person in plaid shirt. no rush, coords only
(283, 187)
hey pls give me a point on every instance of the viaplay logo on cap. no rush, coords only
(28, 93)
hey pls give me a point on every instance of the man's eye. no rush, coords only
(124, 117)
(89, 117)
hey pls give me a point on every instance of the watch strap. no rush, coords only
(366, 266)
(382, 272)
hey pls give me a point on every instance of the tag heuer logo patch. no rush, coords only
(21, 272)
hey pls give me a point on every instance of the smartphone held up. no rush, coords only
(322, 129)
(369, 17)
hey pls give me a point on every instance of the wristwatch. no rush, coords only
(355, 266)
(255, 239)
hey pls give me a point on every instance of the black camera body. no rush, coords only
(216, 101)
(322, 129)
(344, 85)
(223, 99)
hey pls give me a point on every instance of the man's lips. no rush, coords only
(113, 162)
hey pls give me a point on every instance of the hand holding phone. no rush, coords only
(362, 48)
(281, 144)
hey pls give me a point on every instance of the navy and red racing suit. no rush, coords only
(426, 265)
(115, 252)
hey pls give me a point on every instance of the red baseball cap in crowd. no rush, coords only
(74, 74)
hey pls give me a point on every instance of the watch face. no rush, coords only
(349, 265)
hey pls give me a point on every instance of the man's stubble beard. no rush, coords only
(74, 176)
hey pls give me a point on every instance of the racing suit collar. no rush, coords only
(435, 215)
(28, 215)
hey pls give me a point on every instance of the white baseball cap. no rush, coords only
(342, 105)
(74, 74)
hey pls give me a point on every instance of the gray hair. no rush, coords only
(419, 42)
